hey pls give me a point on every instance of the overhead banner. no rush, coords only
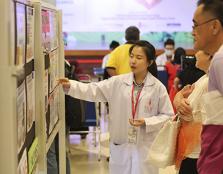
(116, 15)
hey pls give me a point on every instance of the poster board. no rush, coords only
(19, 72)
(51, 55)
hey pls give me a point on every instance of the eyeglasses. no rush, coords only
(197, 25)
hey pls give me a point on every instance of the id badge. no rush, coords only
(132, 135)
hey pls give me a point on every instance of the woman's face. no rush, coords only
(138, 60)
(203, 61)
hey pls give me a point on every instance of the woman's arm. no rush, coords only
(95, 91)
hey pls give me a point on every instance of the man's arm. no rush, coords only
(216, 75)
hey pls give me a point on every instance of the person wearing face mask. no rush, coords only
(168, 54)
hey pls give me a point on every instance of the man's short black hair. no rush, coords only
(113, 44)
(169, 42)
(132, 33)
(215, 7)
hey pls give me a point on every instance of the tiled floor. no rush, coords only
(84, 154)
(84, 157)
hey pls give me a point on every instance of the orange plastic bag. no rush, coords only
(189, 138)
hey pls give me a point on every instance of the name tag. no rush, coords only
(132, 135)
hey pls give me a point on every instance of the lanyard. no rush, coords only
(134, 106)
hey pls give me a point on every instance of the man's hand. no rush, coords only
(187, 90)
(137, 122)
(185, 110)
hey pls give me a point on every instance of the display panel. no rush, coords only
(93, 24)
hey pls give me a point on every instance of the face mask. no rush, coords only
(168, 52)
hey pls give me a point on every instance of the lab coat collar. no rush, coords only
(150, 80)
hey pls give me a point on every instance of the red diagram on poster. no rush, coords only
(45, 21)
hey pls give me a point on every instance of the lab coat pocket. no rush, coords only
(119, 154)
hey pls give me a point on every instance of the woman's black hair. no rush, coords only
(178, 54)
(150, 53)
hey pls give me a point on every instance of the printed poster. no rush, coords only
(46, 90)
(46, 30)
(21, 115)
(52, 112)
(54, 29)
(33, 156)
(30, 80)
(53, 70)
(56, 108)
(20, 34)
(53, 109)
(23, 167)
(54, 96)
(30, 34)
(56, 55)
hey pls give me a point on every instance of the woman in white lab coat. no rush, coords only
(138, 104)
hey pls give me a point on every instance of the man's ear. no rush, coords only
(217, 27)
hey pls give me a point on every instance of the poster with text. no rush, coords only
(53, 109)
(30, 80)
(46, 90)
(23, 167)
(33, 156)
(46, 29)
(109, 15)
(54, 29)
(53, 70)
(56, 105)
(93, 24)
(56, 60)
(21, 115)
(20, 34)
(52, 112)
(30, 34)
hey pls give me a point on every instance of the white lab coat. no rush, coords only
(154, 106)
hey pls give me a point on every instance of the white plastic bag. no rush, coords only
(163, 149)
